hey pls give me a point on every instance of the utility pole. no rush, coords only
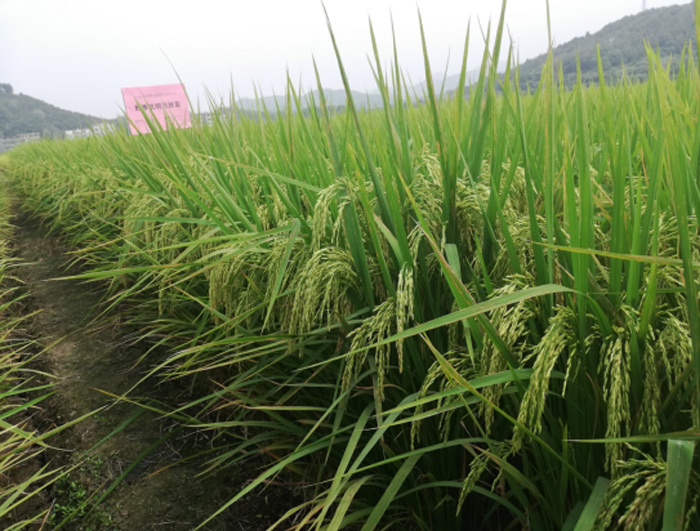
(644, 5)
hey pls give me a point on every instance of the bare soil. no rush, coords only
(93, 360)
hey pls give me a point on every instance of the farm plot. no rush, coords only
(473, 312)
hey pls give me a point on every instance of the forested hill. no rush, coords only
(622, 41)
(23, 114)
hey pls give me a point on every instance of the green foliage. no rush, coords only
(667, 30)
(20, 113)
(71, 500)
(475, 313)
(21, 444)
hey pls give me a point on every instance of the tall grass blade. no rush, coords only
(679, 466)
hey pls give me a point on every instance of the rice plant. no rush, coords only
(24, 476)
(478, 310)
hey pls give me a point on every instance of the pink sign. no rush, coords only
(156, 102)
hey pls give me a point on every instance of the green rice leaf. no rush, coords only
(679, 465)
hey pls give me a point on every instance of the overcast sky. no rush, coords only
(77, 54)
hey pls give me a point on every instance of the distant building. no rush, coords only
(205, 118)
(103, 129)
(77, 133)
(29, 137)
(7, 144)
(100, 129)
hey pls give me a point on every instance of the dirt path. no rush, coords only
(85, 356)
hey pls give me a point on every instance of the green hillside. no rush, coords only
(667, 29)
(23, 114)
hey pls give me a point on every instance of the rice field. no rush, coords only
(451, 313)
(24, 476)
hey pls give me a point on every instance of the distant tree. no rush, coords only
(51, 132)
(667, 29)
(24, 114)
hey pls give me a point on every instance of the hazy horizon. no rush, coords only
(77, 55)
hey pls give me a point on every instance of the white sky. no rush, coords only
(77, 54)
